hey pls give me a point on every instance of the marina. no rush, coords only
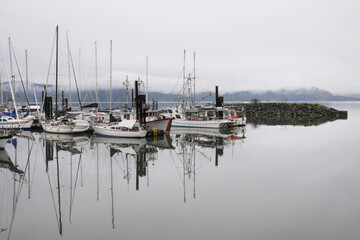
(179, 120)
(53, 185)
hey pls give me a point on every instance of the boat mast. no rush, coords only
(79, 76)
(96, 75)
(1, 92)
(13, 96)
(56, 73)
(194, 99)
(147, 78)
(184, 79)
(126, 84)
(11, 67)
(68, 51)
(110, 75)
(27, 75)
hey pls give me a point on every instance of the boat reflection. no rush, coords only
(108, 167)
(14, 178)
(191, 145)
(67, 143)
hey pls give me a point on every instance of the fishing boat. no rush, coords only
(125, 129)
(154, 119)
(188, 115)
(65, 124)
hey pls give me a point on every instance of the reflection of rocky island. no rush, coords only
(290, 113)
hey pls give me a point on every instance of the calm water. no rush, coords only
(279, 182)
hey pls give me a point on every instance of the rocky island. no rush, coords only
(304, 114)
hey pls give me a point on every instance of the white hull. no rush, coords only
(160, 125)
(113, 140)
(74, 140)
(77, 126)
(106, 131)
(236, 131)
(201, 124)
(16, 124)
(240, 121)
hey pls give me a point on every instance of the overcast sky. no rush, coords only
(239, 45)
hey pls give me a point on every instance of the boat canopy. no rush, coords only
(127, 123)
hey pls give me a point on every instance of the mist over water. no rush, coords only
(268, 182)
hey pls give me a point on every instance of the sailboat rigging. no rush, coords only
(63, 124)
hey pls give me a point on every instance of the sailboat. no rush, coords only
(14, 122)
(125, 129)
(64, 124)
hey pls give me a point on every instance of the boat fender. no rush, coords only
(194, 117)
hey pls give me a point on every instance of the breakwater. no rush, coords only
(289, 113)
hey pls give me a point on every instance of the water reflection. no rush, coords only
(189, 151)
(14, 178)
(76, 165)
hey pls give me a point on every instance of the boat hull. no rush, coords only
(77, 126)
(160, 124)
(102, 130)
(201, 124)
(16, 124)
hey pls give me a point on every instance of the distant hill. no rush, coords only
(312, 94)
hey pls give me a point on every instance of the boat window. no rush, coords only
(4, 120)
(112, 127)
(178, 116)
(170, 111)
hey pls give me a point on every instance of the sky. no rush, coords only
(239, 45)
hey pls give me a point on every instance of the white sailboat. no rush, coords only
(125, 129)
(63, 125)
(8, 122)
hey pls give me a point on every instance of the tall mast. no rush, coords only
(194, 99)
(11, 67)
(27, 75)
(147, 78)
(126, 84)
(13, 96)
(79, 75)
(68, 51)
(1, 95)
(184, 82)
(1, 92)
(56, 73)
(96, 75)
(110, 75)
